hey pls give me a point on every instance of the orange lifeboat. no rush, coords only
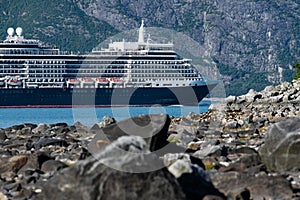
(73, 81)
(88, 81)
(15, 81)
(117, 81)
(102, 81)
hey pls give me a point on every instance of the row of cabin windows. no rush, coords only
(162, 71)
(164, 75)
(157, 62)
(30, 71)
(98, 66)
(46, 71)
(95, 71)
(31, 62)
(31, 67)
(144, 62)
(159, 67)
(45, 76)
(46, 66)
(94, 67)
(40, 52)
(41, 79)
(163, 79)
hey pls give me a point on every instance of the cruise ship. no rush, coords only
(33, 74)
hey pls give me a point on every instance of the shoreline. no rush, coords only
(234, 149)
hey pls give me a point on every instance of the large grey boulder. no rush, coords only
(282, 146)
(91, 179)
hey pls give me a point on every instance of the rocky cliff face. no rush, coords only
(250, 35)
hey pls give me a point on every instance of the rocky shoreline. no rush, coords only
(246, 147)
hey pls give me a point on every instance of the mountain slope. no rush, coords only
(59, 23)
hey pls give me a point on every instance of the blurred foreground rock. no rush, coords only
(281, 149)
(91, 179)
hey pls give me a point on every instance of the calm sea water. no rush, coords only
(88, 116)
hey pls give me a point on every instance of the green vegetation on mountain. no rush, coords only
(297, 67)
(56, 22)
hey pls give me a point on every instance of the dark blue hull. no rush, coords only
(68, 97)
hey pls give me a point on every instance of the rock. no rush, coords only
(191, 116)
(61, 124)
(197, 184)
(250, 163)
(91, 179)
(184, 134)
(40, 128)
(24, 131)
(95, 129)
(252, 95)
(79, 125)
(192, 177)
(14, 128)
(231, 124)
(52, 166)
(240, 122)
(2, 135)
(230, 99)
(129, 150)
(106, 120)
(259, 122)
(210, 150)
(35, 161)
(3, 196)
(49, 141)
(180, 167)
(153, 128)
(184, 129)
(170, 158)
(280, 151)
(174, 137)
(236, 185)
(13, 164)
(243, 150)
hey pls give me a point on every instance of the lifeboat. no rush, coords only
(102, 81)
(15, 81)
(116, 81)
(73, 81)
(88, 81)
(2, 82)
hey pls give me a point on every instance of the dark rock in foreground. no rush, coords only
(91, 179)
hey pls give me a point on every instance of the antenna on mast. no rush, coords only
(141, 33)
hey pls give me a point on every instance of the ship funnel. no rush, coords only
(10, 31)
(141, 33)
